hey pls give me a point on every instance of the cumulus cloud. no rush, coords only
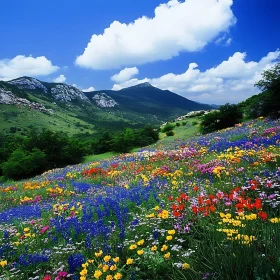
(177, 26)
(125, 75)
(231, 81)
(88, 89)
(25, 66)
(60, 79)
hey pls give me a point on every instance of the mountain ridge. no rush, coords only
(89, 111)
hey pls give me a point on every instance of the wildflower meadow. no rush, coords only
(203, 208)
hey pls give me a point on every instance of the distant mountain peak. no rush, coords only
(143, 85)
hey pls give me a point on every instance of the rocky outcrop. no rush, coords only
(104, 101)
(29, 83)
(8, 98)
(67, 93)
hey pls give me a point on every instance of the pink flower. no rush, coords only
(44, 229)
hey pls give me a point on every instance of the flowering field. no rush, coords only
(206, 208)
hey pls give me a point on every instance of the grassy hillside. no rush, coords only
(199, 208)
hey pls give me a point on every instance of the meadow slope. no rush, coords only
(205, 208)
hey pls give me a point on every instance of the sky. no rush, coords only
(210, 51)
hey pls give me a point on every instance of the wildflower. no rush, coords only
(140, 252)
(132, 247)
(26, 229)
(169, 237)
(141, 242)
(167, 255)
(129, 261)
(274, 220)
(186, 266)
(83, 272)
(109, 277)
(152, 215)
(107, 258)
(105, 268)
(99, 254)
(154, 248)
(118, 276)
(3, 263)
(171, 232)
(164, 248)
(116, 259)
(113, 267)
(97, 274)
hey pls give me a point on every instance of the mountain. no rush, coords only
(145, 98)
(28, 102)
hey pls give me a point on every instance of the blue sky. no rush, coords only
(206, 50)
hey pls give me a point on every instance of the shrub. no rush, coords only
(170, 133)
(167, 127)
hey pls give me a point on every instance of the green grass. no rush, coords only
(93, 158)
(181, 132)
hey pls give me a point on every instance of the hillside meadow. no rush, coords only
(202, 208)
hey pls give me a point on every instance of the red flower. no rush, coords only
(262, 215)
(47, 277)
(170, 198)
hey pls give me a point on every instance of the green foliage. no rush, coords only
(167, 127)
(169, 133)
(227, 116)
(177, 124)
(24, 164)
(38, 152)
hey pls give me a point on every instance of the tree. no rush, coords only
(270, 79)
(270, 83)
(23, 164)
(227, 116)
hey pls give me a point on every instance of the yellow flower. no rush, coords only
(99, 254)
(141, 242)
(113, 267)
(83, 278)
(154, 248)
(156, 208)
(118, 276)
(107, 258)
(105, 268)
(222, 215)
(116, 259)
(129, 261)
(140, 252)
(171, 232)
(275, 220)
(151, 215)
(163, 214)
(169, 237)
(186, 266)
(3, 263)
(26, 229)
(83, 272)
(167, 255)
(164, 248)
(132, 247)
(97, 274)
(109, 277)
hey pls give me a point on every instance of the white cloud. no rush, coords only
(88, 89)
(60, 79)
(125, 75)
(177, 26)
(231, 81)
(25, 66)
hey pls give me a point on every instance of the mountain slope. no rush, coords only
(145, 98)
(27, 102)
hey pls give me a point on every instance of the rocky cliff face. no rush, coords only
(29, 84)
(104, 101)
(8, 98)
